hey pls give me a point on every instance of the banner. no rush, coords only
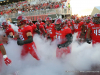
(34, 18)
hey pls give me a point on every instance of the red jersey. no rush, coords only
(61, 35)
(50, 30)
(95, 32)
(41, 28)
(33, 28)
(86, 25)
(81, 23)
(42, 23)
(77, 27)
(70, 26)
(22, 32)
(8, 30)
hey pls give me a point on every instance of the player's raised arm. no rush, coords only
(3, 51)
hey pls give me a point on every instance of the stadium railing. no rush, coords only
(39, 12)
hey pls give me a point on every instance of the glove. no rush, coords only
(20, 42)
(7, 61)
(60, 46)
(88, 41)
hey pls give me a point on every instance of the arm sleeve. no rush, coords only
(69, 40)
(29, 40)
(68, 36)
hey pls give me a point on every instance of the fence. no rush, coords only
(39, 12)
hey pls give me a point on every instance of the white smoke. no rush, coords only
(81, 58)
(2, 19)
(14, 27)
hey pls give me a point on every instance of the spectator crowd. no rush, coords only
(25, 7)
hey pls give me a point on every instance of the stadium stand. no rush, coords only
(43, 7)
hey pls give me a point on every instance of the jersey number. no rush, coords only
(97, 32)
(21, 37)
(58, 37)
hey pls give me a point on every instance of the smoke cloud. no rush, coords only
(81, 58)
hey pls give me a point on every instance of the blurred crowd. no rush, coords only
(25, 7)
(81, 18)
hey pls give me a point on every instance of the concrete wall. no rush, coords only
(95, 10)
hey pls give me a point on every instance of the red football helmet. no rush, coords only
(22, 22)
(39, 20)
(29, 22)
(19, 18)
(59, 23)
(48, 20)
(5, 24)
(96, 18)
